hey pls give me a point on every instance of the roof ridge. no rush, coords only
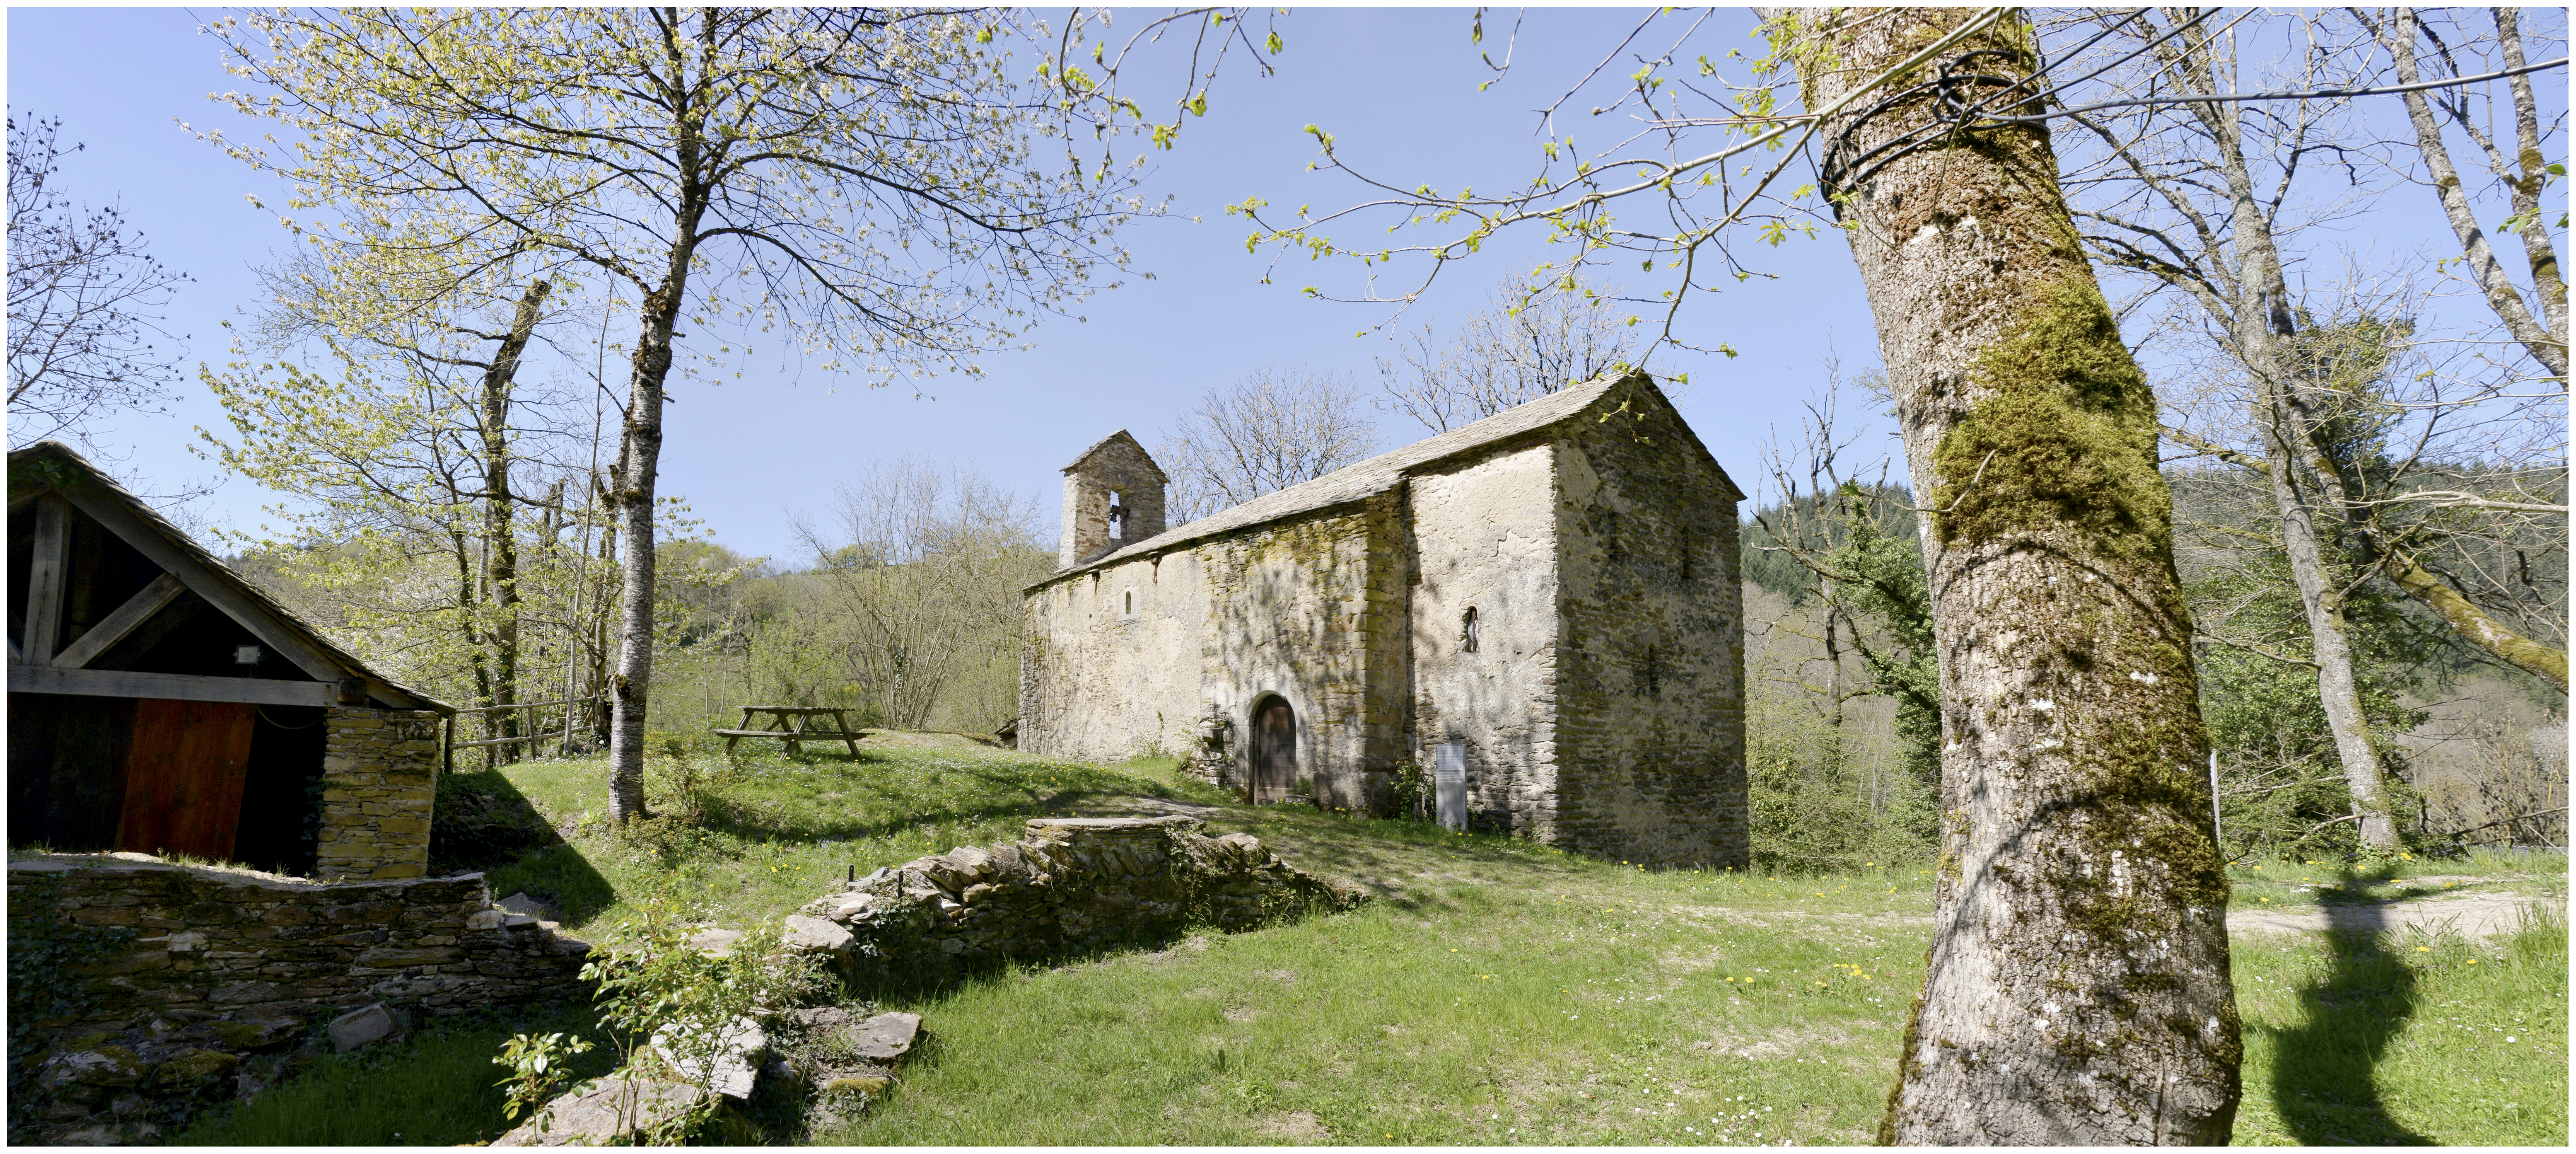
(1371, 476)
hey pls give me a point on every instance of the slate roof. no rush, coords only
(215, 567)
(1112, 439)
(1367, 478)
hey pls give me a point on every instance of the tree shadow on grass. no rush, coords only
(2324, 1080)
(484, 824)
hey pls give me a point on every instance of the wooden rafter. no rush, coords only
(137, 609)
(280, 636)
(45, 580)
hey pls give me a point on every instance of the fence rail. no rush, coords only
(561, 731)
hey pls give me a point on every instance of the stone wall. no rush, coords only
(1118, 467)
(221, 970)
(1072, 885)
(1650, 662)
(1484, 530)
(1102, 682)
(379, 783)
(1132, 658)
(1293, 607)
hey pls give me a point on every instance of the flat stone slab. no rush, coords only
(729, 1066)
(362, 1026)
(606, 1112)
(1036, 823)
(715, 943)
(521, 903)
(886, 1038)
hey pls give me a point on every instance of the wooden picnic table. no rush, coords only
(792, 724)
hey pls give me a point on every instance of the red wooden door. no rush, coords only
(183, 777)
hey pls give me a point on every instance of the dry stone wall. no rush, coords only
(1072, 885)
(220, 971)
(379, 785)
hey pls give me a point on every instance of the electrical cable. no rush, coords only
(263, 716)
(1939, 84)
(2237, 97)
(1954, 112)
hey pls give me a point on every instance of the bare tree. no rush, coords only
(2207, 201)
(925, 584)
(83, 301)
(2523, 170)
(1517, 349)
(1262, 434)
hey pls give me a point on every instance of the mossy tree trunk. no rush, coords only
(2077, 991)
(500, 522)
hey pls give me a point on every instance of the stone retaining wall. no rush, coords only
(1071, 885)
(222, 963)
(379, 784)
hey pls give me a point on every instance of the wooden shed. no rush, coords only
(159, 702)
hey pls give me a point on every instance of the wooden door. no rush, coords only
(183, 777)
(1274, 752)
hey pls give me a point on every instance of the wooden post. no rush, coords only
(2213, 798)
(45, 580)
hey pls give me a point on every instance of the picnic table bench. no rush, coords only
(792, 724)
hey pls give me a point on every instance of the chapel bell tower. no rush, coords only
(1113, 498)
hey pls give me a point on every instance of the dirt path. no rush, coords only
(2469, 915)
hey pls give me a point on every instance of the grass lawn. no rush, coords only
(1498, 992)
(438, 1090)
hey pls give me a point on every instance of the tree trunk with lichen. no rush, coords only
(2262, 327)
(2077, 989)
(500, 524)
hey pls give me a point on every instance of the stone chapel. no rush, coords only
(1553, 592)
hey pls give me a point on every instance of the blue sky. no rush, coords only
(1396, 86)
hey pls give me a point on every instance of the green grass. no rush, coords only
(2405, 1039)
(772, 832)
(2309, 883)
(1508, 995)
(1497, 992)
(438, 1089)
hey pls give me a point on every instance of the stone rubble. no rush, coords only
(612, 1111)
(233, 967)
(1073, 884)
(360, 1027)
(729, 1066)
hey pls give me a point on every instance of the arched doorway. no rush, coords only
(1274, 750)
